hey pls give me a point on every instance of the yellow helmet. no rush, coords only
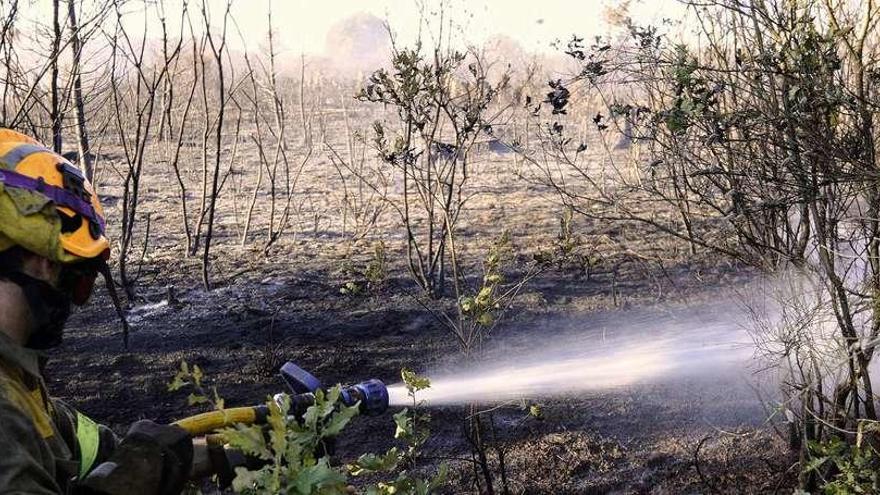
(46, 205)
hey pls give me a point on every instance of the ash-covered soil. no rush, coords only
(693, 434)
(701, 433)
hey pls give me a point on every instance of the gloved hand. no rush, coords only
(152, 459)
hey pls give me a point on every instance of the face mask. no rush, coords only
(49, 308)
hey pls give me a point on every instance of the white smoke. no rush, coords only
(358, 44)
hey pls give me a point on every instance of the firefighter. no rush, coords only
(52, 247)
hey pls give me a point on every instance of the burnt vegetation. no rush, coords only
(264, 209)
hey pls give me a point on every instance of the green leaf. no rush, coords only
(413, 381)
(440, 478)
(536, 411)
(219, 403)
(676, 121)
(815, 463)
(484, 295)
(404, 424)
(194, 399)
(339, 420)
(244, 479)
(197, 375)
(331, 398)
(319, 479)
(467, 304)
(485, 320)
(177, 383)
(372, 463)
(687, 105)
(351, 288)
(278, 423)
(180, 378)
(247, 439)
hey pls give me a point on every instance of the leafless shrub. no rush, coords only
(133, 91)
(361, 205)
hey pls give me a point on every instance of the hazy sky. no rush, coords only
(303, 24)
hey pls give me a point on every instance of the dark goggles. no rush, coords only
(78, 280)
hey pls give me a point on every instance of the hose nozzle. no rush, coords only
(372, 394)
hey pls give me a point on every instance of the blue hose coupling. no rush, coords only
(372, 394)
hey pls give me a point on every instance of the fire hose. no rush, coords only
(371, 396)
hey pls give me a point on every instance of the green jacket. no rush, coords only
(46, 445)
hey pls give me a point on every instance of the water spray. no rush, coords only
(642, 350)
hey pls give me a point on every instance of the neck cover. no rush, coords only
(49, 308)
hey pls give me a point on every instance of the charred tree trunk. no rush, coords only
(55, 110)
(82, 134)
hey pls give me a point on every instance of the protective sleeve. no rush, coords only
(26, 462)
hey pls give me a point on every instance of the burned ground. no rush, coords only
(696, 434)
(693, 434)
